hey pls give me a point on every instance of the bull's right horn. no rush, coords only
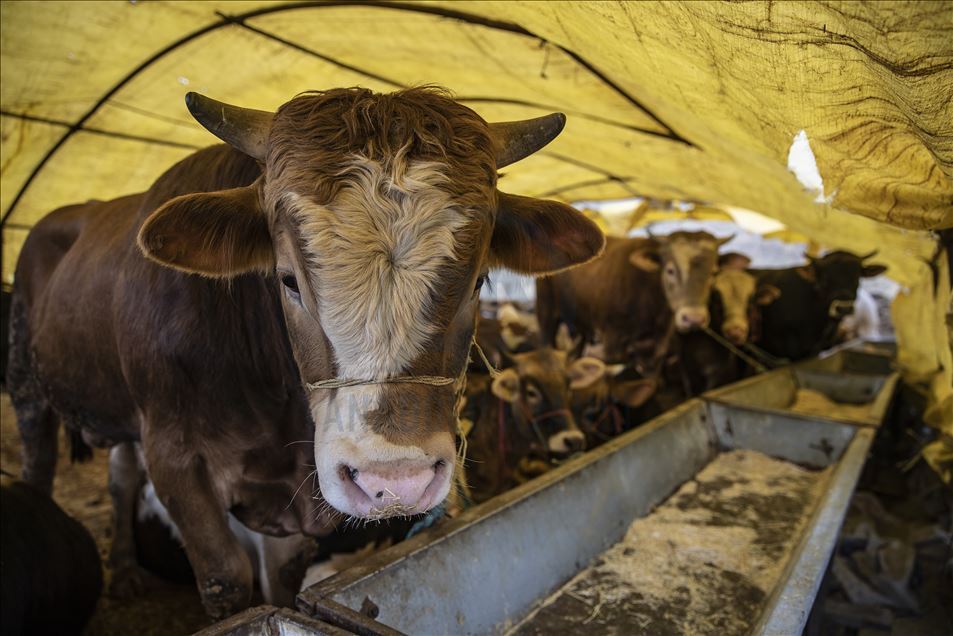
(244, 129)
(871, 255)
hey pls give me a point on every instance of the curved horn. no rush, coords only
(654, 237)
(242, 128)
(871, 255)
(727, 239)
(517, 140)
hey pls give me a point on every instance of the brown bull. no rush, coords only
(333, 279)
(628, 298)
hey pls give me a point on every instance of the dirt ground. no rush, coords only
(81, 490)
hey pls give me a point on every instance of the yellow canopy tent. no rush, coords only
(692, 101)
(788, 236)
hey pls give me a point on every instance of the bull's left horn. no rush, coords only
(871, 255)
(517, 140)
(245, 129)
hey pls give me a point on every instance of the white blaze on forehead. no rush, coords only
(374, 256)
(683, 251)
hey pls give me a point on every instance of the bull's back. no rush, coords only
(85, 292)
(608, 294)
(65, 286)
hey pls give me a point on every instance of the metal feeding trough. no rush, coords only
(487, 570)
(266, 620)
(533, 559)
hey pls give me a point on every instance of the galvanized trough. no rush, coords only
(484, 571)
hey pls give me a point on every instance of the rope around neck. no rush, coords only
(430, 380)
(338, 383)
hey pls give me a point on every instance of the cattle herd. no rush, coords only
(284, 334)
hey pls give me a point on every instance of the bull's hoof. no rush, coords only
(128, 582)
(222, 597)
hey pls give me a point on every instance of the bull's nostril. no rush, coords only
(437, 465)
(348, 472)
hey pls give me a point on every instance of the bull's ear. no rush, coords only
(766, 294)
(533, 236)
(506, 386)
(564, 340)
(646, 259)
(633, 393)
(872, 270)
(807, 273)
(585, 372)
(215, 234)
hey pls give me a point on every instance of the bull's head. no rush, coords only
(379, 217)
(836, 276)
(738, 294)
(537, 387)
(686, 262)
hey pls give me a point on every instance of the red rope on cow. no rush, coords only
(613, 411)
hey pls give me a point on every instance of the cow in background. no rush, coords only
(734, 306)
(511, 331)
(521, 420)
(319, 284)
(616, 402)
(814, 298)
(630, 297)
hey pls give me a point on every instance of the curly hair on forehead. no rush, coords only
(422, 123)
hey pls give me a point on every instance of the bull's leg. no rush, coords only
(36, 420)
(223, 571)
(280, 562)
(39, 428)
(125, 477)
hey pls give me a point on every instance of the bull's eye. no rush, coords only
(533, 396)
(479, 283)
(291, 285)
(670, 271)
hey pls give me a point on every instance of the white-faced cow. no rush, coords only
(330, 274)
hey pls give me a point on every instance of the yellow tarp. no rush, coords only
(695, 101)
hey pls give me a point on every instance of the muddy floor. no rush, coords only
(81, 490)
(703, 562)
